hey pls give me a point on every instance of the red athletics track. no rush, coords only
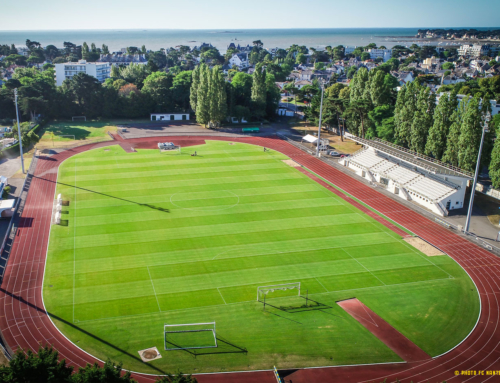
(24, 322)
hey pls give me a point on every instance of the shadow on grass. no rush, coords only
(72, 325)
(223, 347)
(107, 195)
(79, 133)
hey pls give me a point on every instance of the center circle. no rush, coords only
(211, 201)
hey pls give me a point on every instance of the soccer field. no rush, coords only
(167, 238)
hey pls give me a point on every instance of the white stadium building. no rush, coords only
(430, 183)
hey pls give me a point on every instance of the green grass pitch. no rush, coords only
(167, 238)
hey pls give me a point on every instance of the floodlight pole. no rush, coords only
(469, 211)
(320, 117)
(19, 131)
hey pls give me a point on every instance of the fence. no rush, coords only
(11, 229)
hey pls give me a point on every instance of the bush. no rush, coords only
(6, 192)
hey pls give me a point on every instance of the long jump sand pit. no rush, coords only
(423, 246)
(292, 163)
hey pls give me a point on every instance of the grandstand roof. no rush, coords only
(416, 159)
(402, 174)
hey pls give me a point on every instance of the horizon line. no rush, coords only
(234, 29)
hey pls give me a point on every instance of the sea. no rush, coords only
(155, 39)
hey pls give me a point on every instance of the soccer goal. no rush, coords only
(168, 147)
(278, 291)
(189, 336)
(79, 118)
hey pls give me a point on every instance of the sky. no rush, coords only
(255, 14)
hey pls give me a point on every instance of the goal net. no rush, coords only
(79, 118)
(278, 291)
(168, 147)
(189, 336)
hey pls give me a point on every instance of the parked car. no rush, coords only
(334, 153)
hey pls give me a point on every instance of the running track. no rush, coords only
(24, 322)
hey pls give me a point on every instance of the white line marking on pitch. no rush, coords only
(152, 284)
(221, 296)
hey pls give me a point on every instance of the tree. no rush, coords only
(494, 167)
(105, 49)
(109, 373)
(179, 378)
(379, 93)
(195, 83)
(85, 91)
(452, 147)
(125, 90)
(242, 85)
(258, 96)
(203, 101)
(273, 96)
(158, 86)
(41, 367)
(404, 113)
(217, 97)
(181, 90)
(115, 71)
(470, 136)
(360, 109)
(301, 59)
(383, 119)
(447, 65)
(365, 56)
(423, 120)
(438, 133)
(135, 73)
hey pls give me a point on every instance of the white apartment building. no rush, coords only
(100, 71)
(385, 54)
(473, 50)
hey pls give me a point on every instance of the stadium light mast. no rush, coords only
(19, 131)
(322, 85)
(469, 211)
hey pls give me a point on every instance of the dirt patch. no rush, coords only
(423, 246)
(149, 354)
(292, 163)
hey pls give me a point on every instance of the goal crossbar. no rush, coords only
(169, 329)
(279, 287)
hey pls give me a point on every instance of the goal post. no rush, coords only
(188, 336)
(168, 147)
(283, 290)
(79, 118)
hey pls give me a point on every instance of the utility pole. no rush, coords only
(320, 117)
(19, 131)
(469, 211)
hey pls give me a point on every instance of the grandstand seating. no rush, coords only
(410, 179)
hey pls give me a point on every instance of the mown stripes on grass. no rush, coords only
(169, 238)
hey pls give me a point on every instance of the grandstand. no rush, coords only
(436, 186)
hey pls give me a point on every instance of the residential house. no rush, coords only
(403, 77)
(240, 60)
(302, 83)
(123, 59)
(451, 79)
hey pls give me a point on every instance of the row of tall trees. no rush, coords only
(208, 97)
(213, 99)
(46, 367)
